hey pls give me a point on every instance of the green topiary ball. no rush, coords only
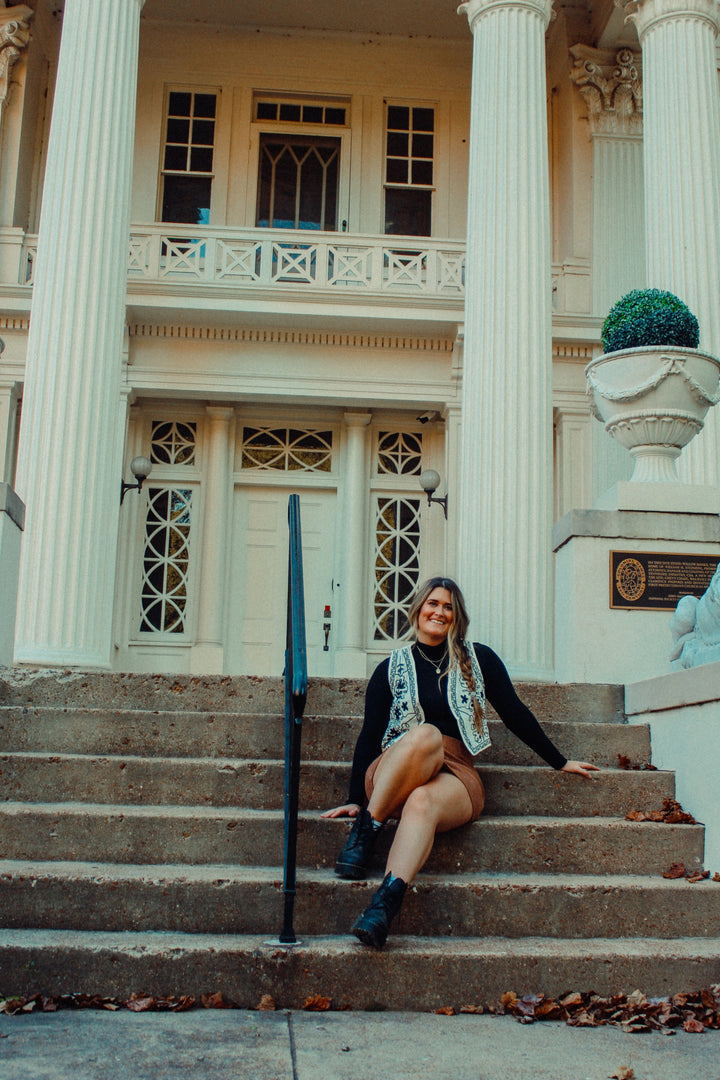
(649, 317)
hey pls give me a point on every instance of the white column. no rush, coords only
(208, 652)
(611, 85)
(351, 595)
(69, 460)
(505, 494)
(682, 177)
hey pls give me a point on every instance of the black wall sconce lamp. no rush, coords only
(429, 481)
(140, 467)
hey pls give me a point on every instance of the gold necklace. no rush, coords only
(433, 663)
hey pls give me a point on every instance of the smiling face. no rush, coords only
(435, 617)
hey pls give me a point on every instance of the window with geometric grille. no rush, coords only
(298, 182)
(187, 157)
(287, 449)
(409, 155)
(397, 564)
(399, 453)
(172, 442)
(166, 560)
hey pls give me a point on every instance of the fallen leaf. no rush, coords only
(623, 1073)
(715, 877)
(570, 1000)
(214, 1001)
(509, 1000)
(317, 1003)
(267, 1003)
(697, 875)
(445, 1010)
(476, 1009)
(139, 1003)
(693, 1026)
(677, 870)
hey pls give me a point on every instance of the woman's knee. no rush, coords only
(421, 803)
(425, 740)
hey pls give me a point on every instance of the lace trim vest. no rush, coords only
(406, 711)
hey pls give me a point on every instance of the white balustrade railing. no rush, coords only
(270, 258)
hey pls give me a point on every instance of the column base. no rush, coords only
(60, 658)
(207, 658)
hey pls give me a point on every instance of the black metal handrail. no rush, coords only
(295, 697)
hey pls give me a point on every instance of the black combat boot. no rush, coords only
(373, 925)
(354, 859)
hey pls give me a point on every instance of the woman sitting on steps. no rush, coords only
(424, 719)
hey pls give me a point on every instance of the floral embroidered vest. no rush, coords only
(406, 711)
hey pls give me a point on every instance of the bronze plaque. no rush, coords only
(655, 581)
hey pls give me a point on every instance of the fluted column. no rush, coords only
(682, 177)
(70, 439)
(505, 555)
(351, 594)
(208, 652)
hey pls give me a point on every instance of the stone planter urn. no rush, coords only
(653, 400)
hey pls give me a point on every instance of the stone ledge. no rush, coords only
(12, 505)
(694, 686)
(636, 525)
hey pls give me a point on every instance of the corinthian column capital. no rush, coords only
(476, 9)
(14, 36)
(646, 14)
(611, 84)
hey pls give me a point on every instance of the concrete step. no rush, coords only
(218, 899)
(183, 733)
(259, 784)
(68, 689)
(408, 974)
(197, 835)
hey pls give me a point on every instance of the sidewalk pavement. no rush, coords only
(240, 1045)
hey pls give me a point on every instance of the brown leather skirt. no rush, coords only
(458, 761)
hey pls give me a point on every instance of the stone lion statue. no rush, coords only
(695, 627)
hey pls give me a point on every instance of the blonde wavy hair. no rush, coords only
(458, 652)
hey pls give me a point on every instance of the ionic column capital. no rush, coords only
(14, 36)
(476, 9)
(647, 14)
(611, 83)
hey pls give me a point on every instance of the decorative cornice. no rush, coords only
(611, 84)
(476, 9)
(647, 14)
(289, 337)
(14, 36)
(14, 322)
(577, 352)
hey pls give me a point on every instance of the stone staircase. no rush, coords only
(141, 838)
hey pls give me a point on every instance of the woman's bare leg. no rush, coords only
(408, 764)
(437, 806)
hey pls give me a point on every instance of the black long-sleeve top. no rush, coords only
(499, 691)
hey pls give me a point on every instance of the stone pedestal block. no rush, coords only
(593, 642)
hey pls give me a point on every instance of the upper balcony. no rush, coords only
(220, 275)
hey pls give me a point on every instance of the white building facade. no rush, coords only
(320, 248)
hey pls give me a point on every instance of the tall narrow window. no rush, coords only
(187, 171)
(298, 182)
(409, 170)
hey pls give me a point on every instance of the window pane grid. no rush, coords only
(188, 157)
